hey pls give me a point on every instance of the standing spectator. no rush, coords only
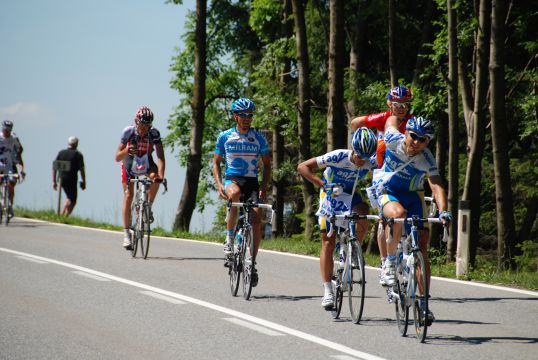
(69, 178)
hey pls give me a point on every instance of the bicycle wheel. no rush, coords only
(401, 305)
(2, 202)
(420, 311)
(235, 268)
(337, 285)
(145, 231)
(135, 235)
(248, 263)
(356, 281)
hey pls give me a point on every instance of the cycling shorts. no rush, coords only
(248, 186)
(412, 201)
(124, 174)
(324, 224)
(70, 189)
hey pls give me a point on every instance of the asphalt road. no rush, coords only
(74, 293)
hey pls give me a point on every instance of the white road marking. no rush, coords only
(91, 276)
(343, 357)
(463, 282)
(254, 327)
(268, 324)
(32, 260)
(163, 297)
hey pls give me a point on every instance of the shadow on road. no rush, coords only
(183, 258)
(458, 340)
(284, 297)
(482, 299)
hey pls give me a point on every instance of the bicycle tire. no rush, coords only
(356, 282)
(337, 282)
(401, 306)
(1, 204)
(235, 267)
(145, 231)
(248, 268)
(420, 313)
(135, 235)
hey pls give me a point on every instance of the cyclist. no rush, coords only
(399, 103)
(345, 167)
(10, 157)
(69, 178)
(409, 160)
(135, 152)
(240, 147)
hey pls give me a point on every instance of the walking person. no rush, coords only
(69, 178)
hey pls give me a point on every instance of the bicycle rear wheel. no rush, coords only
(356, 282)
(420, 311)
(145, 231)
(401, 306)
(248, 263)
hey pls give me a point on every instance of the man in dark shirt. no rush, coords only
(69, 178)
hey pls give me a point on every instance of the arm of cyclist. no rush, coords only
(266, 160)
(161, 163)
(438, 191)
(306, 169)
(358, 122)
(217, 160)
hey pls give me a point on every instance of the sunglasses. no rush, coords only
(245, 115)
(398, 105)
(414, 136)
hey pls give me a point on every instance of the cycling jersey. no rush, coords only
(9, 152)
(142, 162)
(241, 151)
(378, 121)
(410, 177)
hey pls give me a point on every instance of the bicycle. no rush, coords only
(348, 270)
(141, 213)
(6, 207)
(243, 258)
(410, 275)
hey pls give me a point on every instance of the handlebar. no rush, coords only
(349, 216)
(13, 176)
(414, 221)
(251, 205)
(148, 181)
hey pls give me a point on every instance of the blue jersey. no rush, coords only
(410, 177)
(341, 170)
(241, 151)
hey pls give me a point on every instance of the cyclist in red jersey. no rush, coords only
(399, 103)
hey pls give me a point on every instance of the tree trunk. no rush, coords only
(506, 234)
(452, 127)
(392, 51)
(303, 114)
(476, 128)
(336, 117)
(427, 36)
(190, 188)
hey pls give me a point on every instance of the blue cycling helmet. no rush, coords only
(243, 104)
(421, 126)
(400, 94)
(364, 142)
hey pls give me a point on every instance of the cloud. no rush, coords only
(27, 114)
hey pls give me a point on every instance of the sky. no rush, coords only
(82, 68)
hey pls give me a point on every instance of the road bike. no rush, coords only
(6, 207)
(348, 269)
(142, 215)
(411, 286)
(243, 259)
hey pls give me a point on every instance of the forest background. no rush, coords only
(312, 66)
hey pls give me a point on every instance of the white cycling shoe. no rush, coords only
(127, 242)
(328, 301)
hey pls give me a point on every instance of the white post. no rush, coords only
(462, 252)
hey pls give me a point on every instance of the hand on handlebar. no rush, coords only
(445, 217)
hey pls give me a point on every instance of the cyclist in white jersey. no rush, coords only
(341, 167)
(240, 147)
(134, 151)
(407, 163)
(10, 156)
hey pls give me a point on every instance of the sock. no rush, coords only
(383, 260)
(328, 287)
(127, 232)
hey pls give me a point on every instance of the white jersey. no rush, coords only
(9, 152)
(340, 169)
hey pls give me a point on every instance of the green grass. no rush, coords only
(484, 271)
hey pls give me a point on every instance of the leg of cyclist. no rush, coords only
(126, 209)
(361, 226)
(326, 262)
(392, 209)
(234, 194)
(382, 244)
(11, 194)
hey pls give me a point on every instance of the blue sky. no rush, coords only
(73, 67)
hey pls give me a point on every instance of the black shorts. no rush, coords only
(70, 189)
(249, 187)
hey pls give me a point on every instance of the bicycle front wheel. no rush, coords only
(337, 284)
(145, 231)
(235, 267)
(135, 235)
(356, 282)
(420, 308)
(248, 263)
(401, 306)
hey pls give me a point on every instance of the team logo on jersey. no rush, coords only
(251, 139)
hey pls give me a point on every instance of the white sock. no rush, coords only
(328, 287)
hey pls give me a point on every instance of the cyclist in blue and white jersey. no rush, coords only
(407, 162)
(10, 156)
(240, 147)
(344, 167)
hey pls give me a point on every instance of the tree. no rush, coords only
(194, 164)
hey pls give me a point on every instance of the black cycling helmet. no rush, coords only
(144, 115)
(7, 125)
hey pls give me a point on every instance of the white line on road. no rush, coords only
(91, 276)
(254, 327)
(163, 297)
(343, 357)
(32, 260)
(269, 324)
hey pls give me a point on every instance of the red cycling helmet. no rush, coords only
(144, 115)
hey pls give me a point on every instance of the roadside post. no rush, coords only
(462, 251)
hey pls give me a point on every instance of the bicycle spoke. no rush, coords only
(420, 311)
(356, 282)
(248, 263)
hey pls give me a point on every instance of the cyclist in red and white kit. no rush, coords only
(399, 103)
(136, 146)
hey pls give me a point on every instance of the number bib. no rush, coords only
(336, 205)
